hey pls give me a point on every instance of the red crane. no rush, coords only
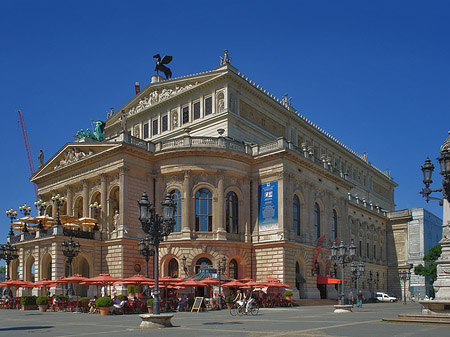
(27, 149)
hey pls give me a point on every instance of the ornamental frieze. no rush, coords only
(71, 156)
(157, 96)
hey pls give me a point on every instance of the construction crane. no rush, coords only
(27, 149)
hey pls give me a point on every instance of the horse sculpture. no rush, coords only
(160, 65)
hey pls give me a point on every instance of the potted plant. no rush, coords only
(288, 294)
(131, 290)
(104, 304)
(150, 305)
(42, 303)
(229, 301)
(84, 299)
(28, 302)
(138, 289)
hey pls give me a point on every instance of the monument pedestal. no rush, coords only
(152, 321)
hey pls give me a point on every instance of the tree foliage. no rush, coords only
(2, 269)
(430, 268)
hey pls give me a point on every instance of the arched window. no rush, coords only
(232, 213)
(316, 220)
(173, 268)
(176, 197)
(334, 229)
(296, 215)
(203, 262)
(203, 210)
(233, 269)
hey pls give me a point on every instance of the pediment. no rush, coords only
(72, 154)
(156, 93)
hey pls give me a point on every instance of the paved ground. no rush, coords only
(299, 321)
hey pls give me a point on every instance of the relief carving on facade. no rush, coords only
(71, 156)
(175, 179)
(157, 96)
(220, 102)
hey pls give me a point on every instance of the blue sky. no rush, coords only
(373, 74)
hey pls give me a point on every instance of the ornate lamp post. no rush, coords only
(58, 200)
(8, 253)
(95, 207)
(41, 205)
(146, 250)
(342, 255)
(222, 263)
(357, 272)
(157, 227)
(404, 276)
(26, 211)
(441, 285)
(70, 250)
(12, 215)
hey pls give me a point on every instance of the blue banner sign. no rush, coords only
(268, 206)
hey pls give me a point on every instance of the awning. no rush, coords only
(328, 280)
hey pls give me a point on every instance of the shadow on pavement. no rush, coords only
(22, 328)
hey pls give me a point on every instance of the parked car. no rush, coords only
(383, 297)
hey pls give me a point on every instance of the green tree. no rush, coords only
(3, 271)
(430, 261)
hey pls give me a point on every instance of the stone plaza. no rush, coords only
(296, 321)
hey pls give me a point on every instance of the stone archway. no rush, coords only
(46, 266)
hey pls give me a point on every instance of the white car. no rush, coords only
(383, 297)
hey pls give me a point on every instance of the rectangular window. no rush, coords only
(208, 106)
(368, 251)
(155, 127)
(374, 252)
(360, 248)
(185, 113)
(145, 130)
(196, 110)
(164, 123)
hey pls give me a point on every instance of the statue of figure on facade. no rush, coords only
(123, 121)
(160, 65)
(99, 129)
(41, 158)
(116, 219)
(225, 59)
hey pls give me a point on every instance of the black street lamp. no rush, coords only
(404, 276)
(157, 227)
(427, 170)
(41, 205)
(12, 215)
(221, 269)
(26, 211)
(342, 255)
(8, 253)
(58, 200)
(146, 250)
(357, 272)
(70, 250)
(95, 207)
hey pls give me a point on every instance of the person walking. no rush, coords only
(360, 298)
(350, 298)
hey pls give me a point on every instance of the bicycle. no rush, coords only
(237, 309)
(234, 309)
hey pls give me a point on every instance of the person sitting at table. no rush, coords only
(56, 300)
(118, 304)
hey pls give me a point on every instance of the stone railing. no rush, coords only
(188, 141)
(363, 202)
(78, 234)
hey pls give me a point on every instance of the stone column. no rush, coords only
(244, 210)
(219, 219)
(85, 198)
(123, 200)
(187, 226)
(103, 200)
(282, 207)
(69, 201)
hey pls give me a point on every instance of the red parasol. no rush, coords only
(246, 279)
(254, 284)
(276, 285)
(233, 284)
